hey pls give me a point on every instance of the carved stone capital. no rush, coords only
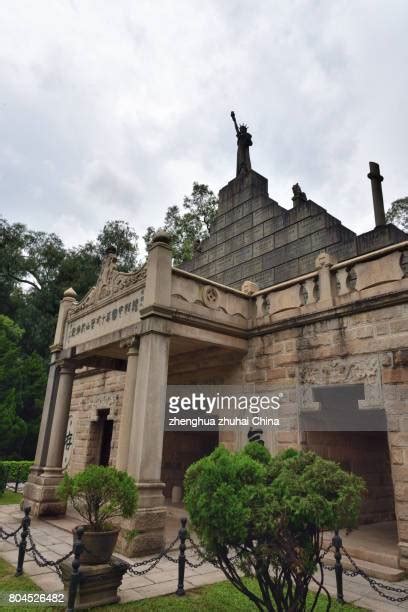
(131, 344)
(324, 260)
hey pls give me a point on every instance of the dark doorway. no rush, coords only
(180, 450)
(106, 437)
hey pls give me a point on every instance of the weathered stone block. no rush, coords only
(99, 584)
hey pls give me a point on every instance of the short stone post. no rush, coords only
(23, 542)
(76, 575)
(337, 542)
(323, 263)
(182, 557)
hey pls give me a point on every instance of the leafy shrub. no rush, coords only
(3, 478)
(17, 471)
(100, 494)
(270, 512)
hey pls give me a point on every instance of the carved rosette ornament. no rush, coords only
(211, 297)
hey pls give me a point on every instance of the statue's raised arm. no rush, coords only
(235, 122)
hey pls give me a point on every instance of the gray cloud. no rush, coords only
(112, 110)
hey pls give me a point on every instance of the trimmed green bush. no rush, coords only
(3, 478)
(17, 471)
(100, 494)
(269, 513)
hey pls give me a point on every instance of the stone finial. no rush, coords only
(249, 287)
(299, 196)
(161, 236)
(70, 293)
(324, 260)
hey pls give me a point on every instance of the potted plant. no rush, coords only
(100, 495)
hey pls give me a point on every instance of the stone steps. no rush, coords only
(373, 556)
(374, 570)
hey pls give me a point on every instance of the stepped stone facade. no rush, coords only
(253, 238)
(274, 297)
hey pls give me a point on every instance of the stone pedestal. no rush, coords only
(40, 492)
(99, 583)
(144, 533)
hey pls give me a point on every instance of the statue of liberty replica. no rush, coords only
(244, 141)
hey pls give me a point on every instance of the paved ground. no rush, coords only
(54, 541)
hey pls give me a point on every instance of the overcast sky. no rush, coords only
(111, 109)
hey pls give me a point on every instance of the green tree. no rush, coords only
(122, 236)
(398, 213)
(189, 226)
(33, 383)
(36, 268)
(12, 428)
(269, 514)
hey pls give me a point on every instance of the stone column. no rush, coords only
(376, 188)
(127, 405)
(39, 491)
(147, 430)
(395, 392)
(61, 414)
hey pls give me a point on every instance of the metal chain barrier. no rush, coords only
(140, 568)
(376, 585)
(132, 567)
(5, 535)
(42, 561)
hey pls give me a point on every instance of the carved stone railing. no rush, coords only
(335, 284)
(204, 298)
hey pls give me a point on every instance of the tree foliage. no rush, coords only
(271, 513)
(398, 213)
(12, 427)
(100, 494)
(35, 270)
(189, 226)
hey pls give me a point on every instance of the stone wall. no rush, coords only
(254, 238)
(94, 391)
(365, 347)
(365, 454)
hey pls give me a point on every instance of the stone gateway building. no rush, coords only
(273, 296)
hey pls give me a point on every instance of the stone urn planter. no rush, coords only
(101, 495)
(98, 545)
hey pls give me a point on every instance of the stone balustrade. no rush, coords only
(335, 284)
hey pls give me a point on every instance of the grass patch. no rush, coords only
(10, 497)
(220, 597)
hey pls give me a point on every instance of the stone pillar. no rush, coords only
(395, 392)
(61, 414)
(376, 188)
(39, 491)
(324, 262)
(127, 405)
(147, 429)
